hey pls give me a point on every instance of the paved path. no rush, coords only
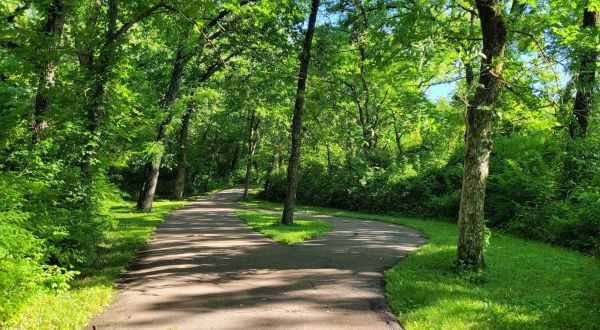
(205, 270)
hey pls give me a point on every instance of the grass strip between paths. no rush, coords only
(528, 285)
(271, 226)
(95, 288)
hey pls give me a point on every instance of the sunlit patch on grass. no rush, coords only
(271, 226)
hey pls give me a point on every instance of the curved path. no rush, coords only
(205, 270)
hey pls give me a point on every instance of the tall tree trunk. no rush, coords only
(149, 187)
(397, 136)
(234, 159)
(292, 172)
(329, 162)
(469, 75)
(469, 80)
(586, 81)
(479, 140)
(236, 153)
(146, 197)
(267, 185)
(182, 152)
(366, 120)
(53, 29)
(252, 142)
(183, 132)
(364, 125)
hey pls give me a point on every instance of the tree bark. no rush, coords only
(146, 197)
(234, 159)
(182, 152)
(252, 142)
(267, 185)
(586, 81)
(292, 171)
(479, 140)
(469, 75)
(53, 29)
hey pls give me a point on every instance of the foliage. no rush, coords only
(84, 107)
(94, 287)
(270, 226)
(523, 196)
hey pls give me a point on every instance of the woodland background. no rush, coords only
(98, 98)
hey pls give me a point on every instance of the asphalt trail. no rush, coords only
(205, 270)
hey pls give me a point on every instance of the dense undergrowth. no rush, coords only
(46, 233)
(536, 189)
(527, 285)
(64, 296)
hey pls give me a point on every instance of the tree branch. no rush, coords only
(139, 17)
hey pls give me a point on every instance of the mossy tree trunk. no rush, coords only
(53, 30)
(479, 139)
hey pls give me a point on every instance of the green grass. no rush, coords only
(271, 226)
(95, 288)
(528, 285)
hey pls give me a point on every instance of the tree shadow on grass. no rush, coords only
(426, 291)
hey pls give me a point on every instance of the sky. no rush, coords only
(437, 92)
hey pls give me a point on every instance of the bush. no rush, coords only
(575, 226)
(23, 256)
(529, 192)
(46, 231)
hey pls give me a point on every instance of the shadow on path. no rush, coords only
(205, 270)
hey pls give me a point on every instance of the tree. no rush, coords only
(151, 172)
(98, 71)
(182, 141)
(182, 57)
(479, 135)
(182, 144)
(52, 30)
(146, 196)
(253, 138)
(586, 78)
(292, 172)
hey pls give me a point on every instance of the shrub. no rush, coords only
(23, 256)
(527, 193)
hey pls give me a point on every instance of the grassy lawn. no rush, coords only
(95, 287)
(271, 226)
(527, 284)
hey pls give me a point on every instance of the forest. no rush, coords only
(482, 115)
